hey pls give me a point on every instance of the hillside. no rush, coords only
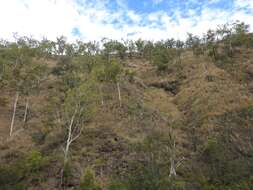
(207, 110)
(156, 117)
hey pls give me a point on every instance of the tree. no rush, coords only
(194, 43)
(179, 48)
(131, 49)
(170, 148)
(20, 73)
(76, 110)
(170, 43)
(148, 49)
(211, 44)
(161, 57)
(240, 35)
(61, 45)
(35, 75)
(17, 66)
(113, 47)
(140, 46)
(46, 48)
(110, 72)
(225, 34)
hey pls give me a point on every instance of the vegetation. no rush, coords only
(164, 115)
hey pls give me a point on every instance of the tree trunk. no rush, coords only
(70, 139)
(119, 93)
(101, 94)
(214, 53)
(26, 109)
(14, 113)
(172, 167)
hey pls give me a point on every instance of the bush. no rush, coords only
(161, 58)
(34, 162)
(19, 175)
(116, 185)
(10, 178)
(89, 181)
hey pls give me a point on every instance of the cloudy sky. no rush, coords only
(116, 19)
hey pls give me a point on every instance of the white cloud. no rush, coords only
(157, 1)
(52, 18)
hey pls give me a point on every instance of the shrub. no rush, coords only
(161, 58)
(115, 184)
(89, 181)
(34, 162)
(10, 178)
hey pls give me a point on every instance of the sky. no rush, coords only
(118, 19)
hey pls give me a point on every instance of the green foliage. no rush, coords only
(113, 47)
(148, 50)
(224, 170)
(115, 184)
(34, 161)
(108, 72)
(10, 178)
(140, 44)
(89, 181)
(161, 57)
(19, 174)
(152, 173)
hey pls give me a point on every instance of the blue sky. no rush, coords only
(117, 19)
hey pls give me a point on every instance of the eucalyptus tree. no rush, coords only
(113, 47)
(224, 33)
(194, 42)
(60, 45)
(241, 35)
(93, 47)
(211, 44)
(17, 59)
(78, 106)
(76, 109)
(16, 75)
(161, 56)
(131, 48)
(46, 48)
(110, 71)
(81, 47)
(35, 74)
(140, 44)
(179, 48)
(148, 50)
(170, 43)
(21, 74)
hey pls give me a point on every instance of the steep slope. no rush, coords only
(204, 108)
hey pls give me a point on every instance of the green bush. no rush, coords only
(11, 178)
(19, 175)
(34, 162)
(161, 58)
(89, 181)
(115, 184)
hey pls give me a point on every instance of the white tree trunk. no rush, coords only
(173, 172)
(101, 94)
(14, 113)
(26, 109)
(119, 93)
(69, 139)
